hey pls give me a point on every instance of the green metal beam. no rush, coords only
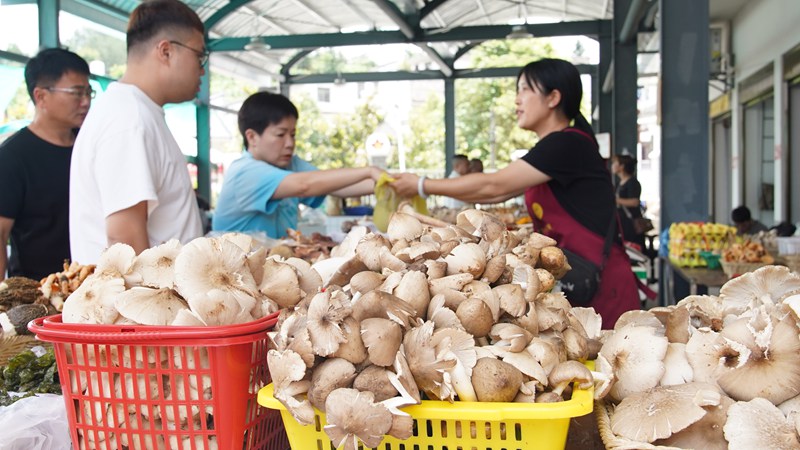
(472, 34)
(493, 72)
(449, 124)
(48, 23)
(397, 16)
(203, 121)
(464, 49)
(14, 57)
(223, 12)
(115, 19)
(294, 60)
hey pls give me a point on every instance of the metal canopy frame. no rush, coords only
(427, 24)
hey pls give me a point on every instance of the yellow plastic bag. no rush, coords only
(387, 201)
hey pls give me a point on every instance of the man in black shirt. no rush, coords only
(34, 166)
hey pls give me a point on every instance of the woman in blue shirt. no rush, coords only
(263, 188)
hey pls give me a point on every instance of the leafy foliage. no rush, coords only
(93, 45)
(338, 143)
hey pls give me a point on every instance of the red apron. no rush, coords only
(617, 291)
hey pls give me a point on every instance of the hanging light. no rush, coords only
(257, 43)
(519, 32)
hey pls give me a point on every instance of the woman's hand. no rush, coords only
(375, 173)
(405, 184)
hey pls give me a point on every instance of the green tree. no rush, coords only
(329, 60)
(93, 45)
(485, 107)
(425, 139)
(335, 144)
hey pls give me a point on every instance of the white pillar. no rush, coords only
(737, 156)
(779, 97)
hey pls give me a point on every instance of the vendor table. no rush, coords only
(696, 277)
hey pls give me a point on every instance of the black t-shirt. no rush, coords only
(580, 180)
(34, 191)
(631, 189)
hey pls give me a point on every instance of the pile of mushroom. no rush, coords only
(207, 282)
(458, 311)
(711, 372)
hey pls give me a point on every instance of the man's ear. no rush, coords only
(163, 50)
(250, 137)
(38, 95)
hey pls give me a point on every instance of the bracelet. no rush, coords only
(421, 187)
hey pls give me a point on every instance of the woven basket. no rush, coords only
(11, 346)
(733, 269)
(603, 411)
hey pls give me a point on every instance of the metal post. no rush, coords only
(684, 111)
(624, 135)
(48, 23)
(449, 124)
(203, 115)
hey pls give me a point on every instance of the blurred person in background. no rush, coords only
(35, 165)
(460, 168)
(264, 188)
(566, 183)
(628, 194)
(129, 180)
(744, 222)
(475, 165)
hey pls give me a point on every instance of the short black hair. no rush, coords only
(741, 214)
(263, 109)
(49, 65)
(627, 162)
(154, 16)
(461, 157)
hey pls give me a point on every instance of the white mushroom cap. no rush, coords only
(241, 240)
(636, 354)
(150, 306)
(309, 279)
(511, 299)
(639, 318)
(326, 313)
(288, 371)
(759, 424)
(466, 258)
(187, 318)
(706, 433)
(773, 369)
(347, 248)
(711, 355)
(352, 348)
(662, 411)
(403, 226)
(413, 289)
(118, 259)
(206, 264)
(766, 285)
(382, 337)
(383, 305)
(427, 366)
(354, 415)
(442, 316)
(589, 319)
(155, 265)
(93, 301)
(460, 346)
(331, 374)
(281, 284)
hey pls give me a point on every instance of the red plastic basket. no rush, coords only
(146, 387)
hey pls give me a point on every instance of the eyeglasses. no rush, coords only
(202, 56)
(79, 92)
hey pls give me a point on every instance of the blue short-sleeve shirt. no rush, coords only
(246, 204)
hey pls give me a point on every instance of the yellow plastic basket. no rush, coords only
(461, 425)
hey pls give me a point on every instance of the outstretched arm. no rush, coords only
(323, 182)
(477, 187)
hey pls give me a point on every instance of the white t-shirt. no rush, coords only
(451, 202)
(125, 154)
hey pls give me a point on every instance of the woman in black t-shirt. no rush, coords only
(628, 193)
(565, 181)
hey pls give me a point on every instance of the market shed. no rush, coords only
(668, 41)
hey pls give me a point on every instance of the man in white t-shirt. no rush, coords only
(129, 181)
